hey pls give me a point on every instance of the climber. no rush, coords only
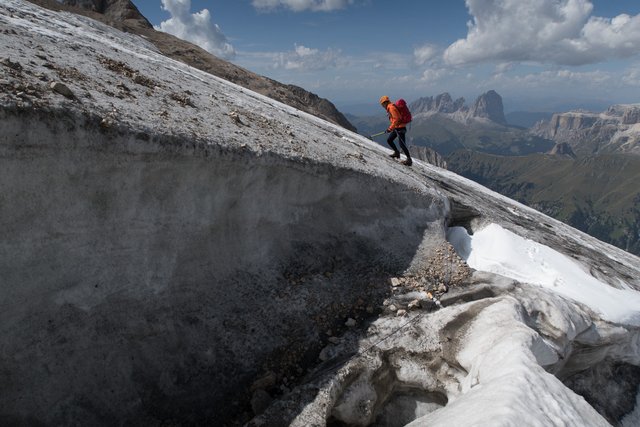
(397, 128)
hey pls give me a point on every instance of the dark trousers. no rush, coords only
(400, 133)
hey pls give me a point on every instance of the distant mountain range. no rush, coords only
(447, 125)
(580, 167)
(615, 130)
(487, 106)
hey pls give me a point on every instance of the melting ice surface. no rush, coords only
(500, 251)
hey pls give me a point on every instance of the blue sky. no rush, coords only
(539, 54)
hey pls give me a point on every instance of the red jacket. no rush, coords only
(395, 119)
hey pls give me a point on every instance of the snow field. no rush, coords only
(497, 250)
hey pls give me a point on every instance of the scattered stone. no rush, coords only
(182, 99)
(236, 117)
(442, 288)
(350, 322)
(395, 282)
(266, 381)
(393, 308)
(71, 74)
(414, 305)
(325, 353)
(62, 89)
(106, 123)
(401, 313)
(9, 63)
(144, 81)
(260, 401)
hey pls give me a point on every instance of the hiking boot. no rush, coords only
(408, 162)
(395, 155)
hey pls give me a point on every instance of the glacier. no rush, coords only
(178, 249)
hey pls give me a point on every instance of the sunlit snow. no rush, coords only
(497, 250)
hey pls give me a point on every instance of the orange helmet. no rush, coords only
(384, 99)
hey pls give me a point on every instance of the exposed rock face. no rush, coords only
(428, 155)
(489, 106)
(562, 149)
(631, 116)
(441, 104)
(122, 14)
(116, 10)
(486, 106)
(588, 133)
(563, 125)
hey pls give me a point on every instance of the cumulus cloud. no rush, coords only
(424, 54)
(433, 74)
(307, 59)
(302, 5)
(632, 76)
(197, 28)
(561, 32)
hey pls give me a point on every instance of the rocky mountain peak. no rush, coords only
(116, 11)
(442, 103)
(489, 106)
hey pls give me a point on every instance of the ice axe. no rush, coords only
(377, 134)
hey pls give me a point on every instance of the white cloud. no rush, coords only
(504, 67)
(301, 5)
(558, 78)
(196, 28)
(632, 76)
(433, 74)
(544, 31)
(307, 59)
(424, 54)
